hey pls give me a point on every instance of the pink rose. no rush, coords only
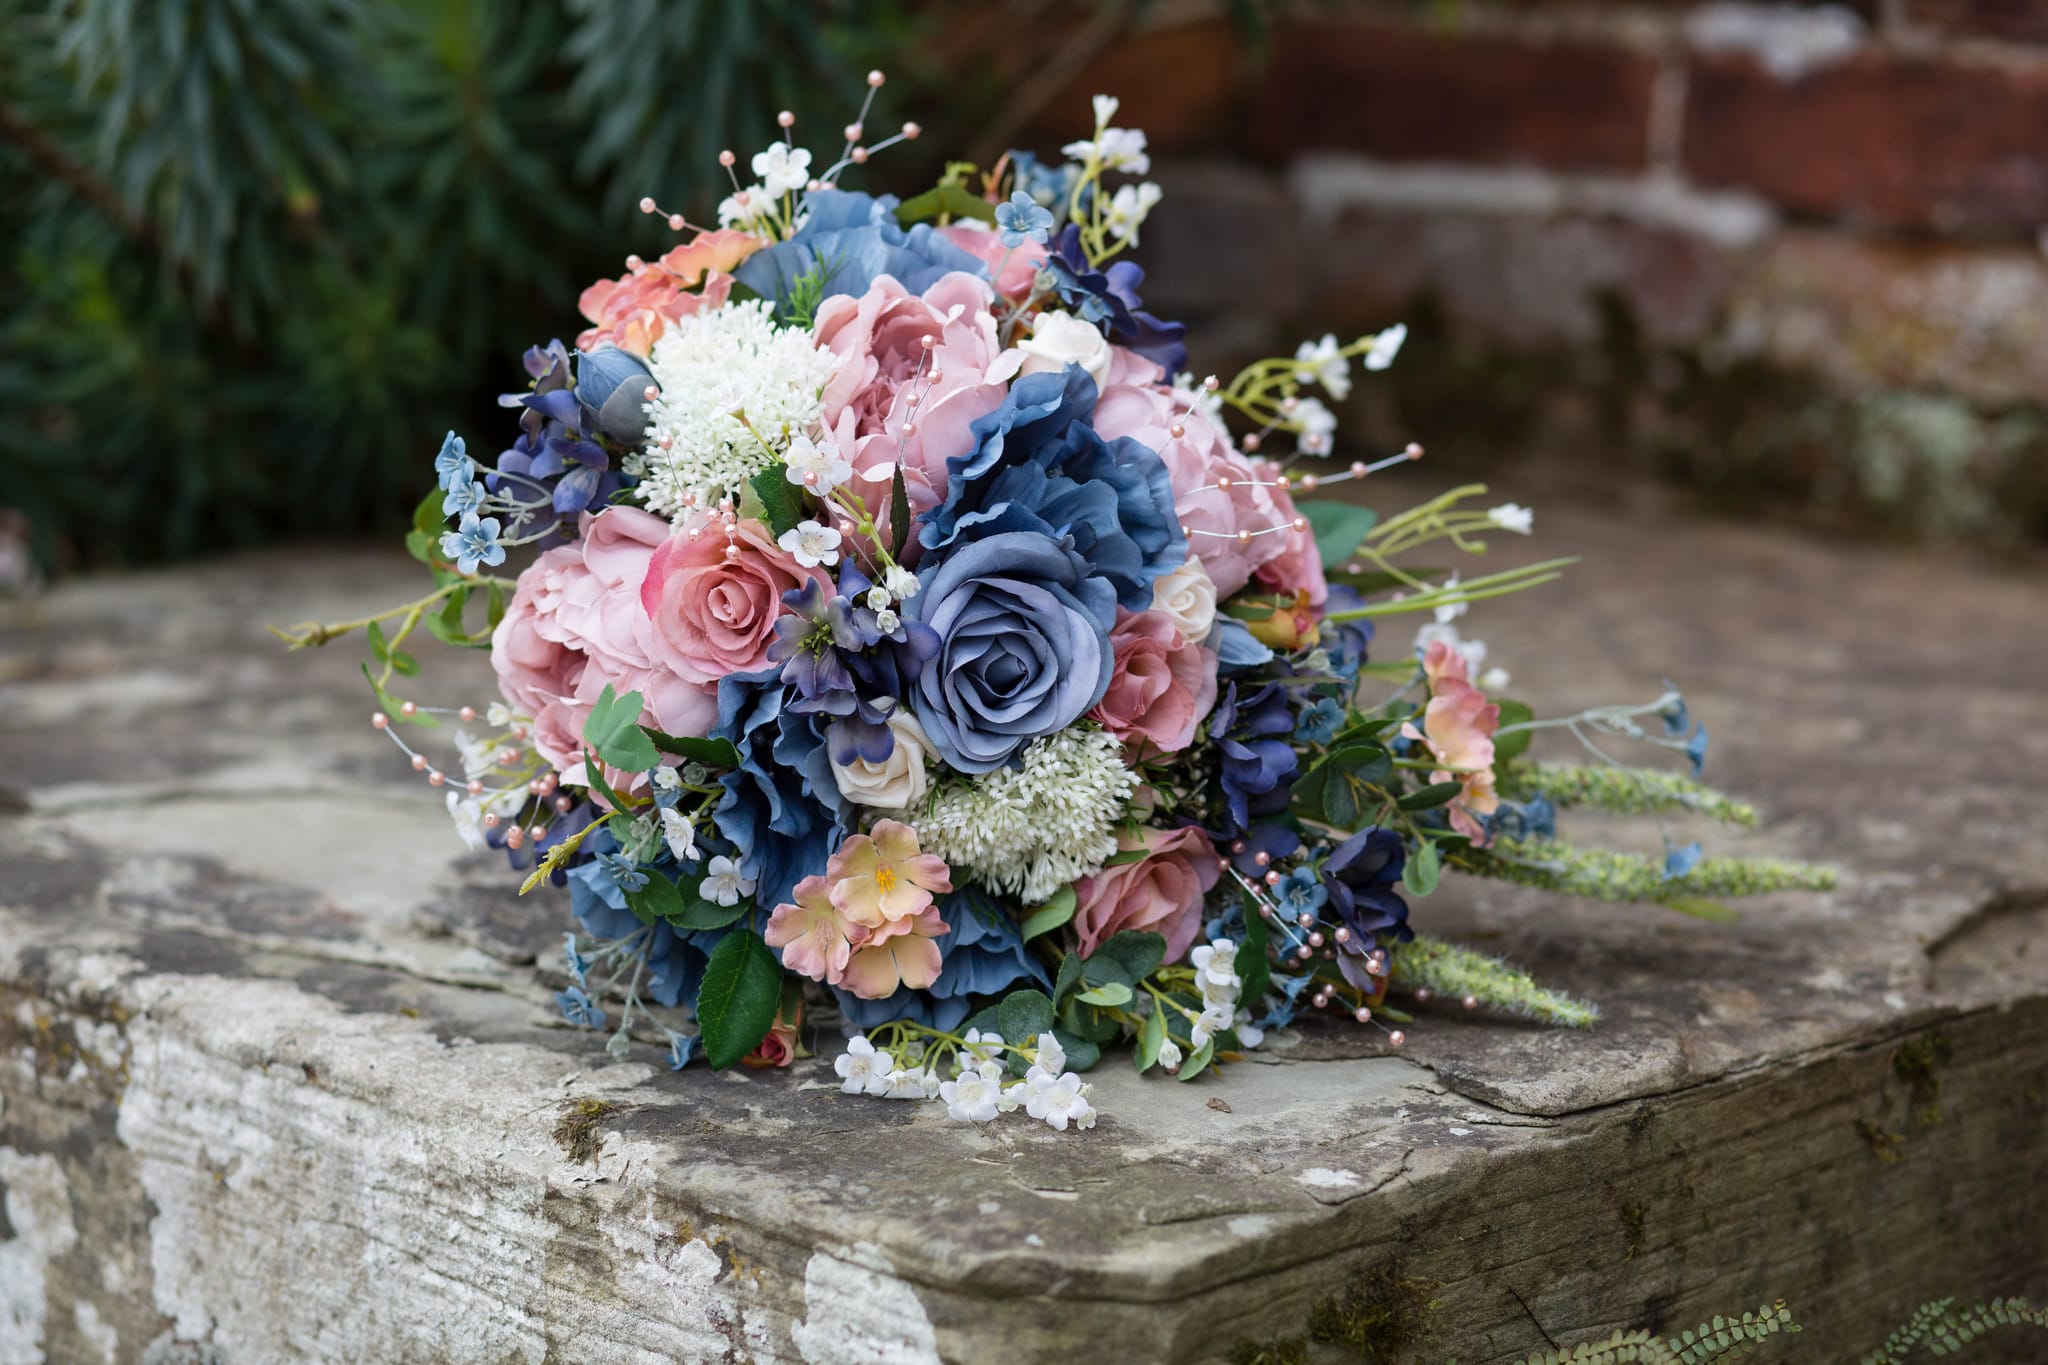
(1298, 567)
(709, 614)
(633, 311)
(533, 666)
(1161, 687)
(879, 338)
(1018, 267)
(1196, 460)
(1162, 894)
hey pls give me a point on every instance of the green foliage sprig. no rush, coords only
(1626, 791)
(1457, 973)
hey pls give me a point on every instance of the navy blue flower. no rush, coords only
(1348, 643)
(782, 808)
(1109, 298)
(847, 240)
(576, 408)
(1254, 733)
(981, 954)
(1277, 842)
(1360, 875)
(845, 666)
(1023, 220)
(1024, 651)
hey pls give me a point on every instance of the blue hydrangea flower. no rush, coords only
(1023, 220)
(580, 410)
(453, 465)
(1301, 892)
(782, 809)
(578, 1008)
(850, 239)
(474, 541)
(675, 962)
(1319, 721)
(1254, 732)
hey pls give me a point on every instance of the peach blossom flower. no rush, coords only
(1459, 723)
(881, 879)
(633, 311)
(816, 940)
(1441, 662)
(900, 953)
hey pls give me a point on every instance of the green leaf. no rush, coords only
(712, 753)
(1023, 1015)
(1068, 978)
(782, 504)
(1109, 995)
(899, 513)
(494, 607)
(404, 664)
(1701, 907)
(1254, 970)
(1051, 915)
(379, 650)
(1338, 526)
(594, 771)
(659, 900)
(1086, 1021)
(1430, 797)
(1129, 855)
(1105, 970)
(1198, 1061)
(736, 1005)
(1082, 1053)
(421, 546)
(427, 517)
(1139, 953)
(949, 200)
(1369, 583)
(1506, 747)
(700, 913)
(1151, 1034)
(611, 729)
(1424, 869)
(1338, 790)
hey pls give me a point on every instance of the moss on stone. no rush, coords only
(576, 1132)
(1916, 1063)
(1374, 1321)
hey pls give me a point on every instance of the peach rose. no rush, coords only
(1161, 894)
(710, 614)
(633, 311)
(1161, 687)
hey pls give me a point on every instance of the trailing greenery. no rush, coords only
(1603, 874)
(1945, 1332)
(1627, 791)
(1456, 972)
(1937, 1325)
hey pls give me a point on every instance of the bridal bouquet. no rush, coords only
(903, 626)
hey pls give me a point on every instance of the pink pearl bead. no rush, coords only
(490, 819)
(1343, 934)
(1244, 537)
(1251, 442)
(1309, 482)
(937, 374)
(436, 778)
(408, 709)
(732, 552)
(860, 156)
(533, 787)
(1471, 1002)
(810, 478)
(910, 400)
(1315, 940)
(1266, 911)
(549, 783)
(565, 804)
(875, 79)
(1273, 878)
(1262, 857)
(475, 787)
(466, 714)
(911, 130)
(1238, 846)
(668, 442)
(538, 832)
(650, 393)
(519, 732)
(852, 132)
(695, 533)
(1362, 1015)
(1223, 864)
(378, 720)
(1422, 995)
(910, 428)
(1413, 452)
(676, 222)
(1300, 524)
(1177, 431)
(725, 158)
(927, 341)
(1358, 469)
(1306, 920)
(508, 756)
(514, 839)
(1396, 1038)
(1304, 953)
(1223, 481)
(647, 205)
(786, 119)
(419, 763)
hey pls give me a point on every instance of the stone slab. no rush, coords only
(279, 1078)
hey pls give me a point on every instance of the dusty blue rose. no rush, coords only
(1023, 647)
(848, 240)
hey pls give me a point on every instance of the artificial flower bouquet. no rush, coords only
(902, 626)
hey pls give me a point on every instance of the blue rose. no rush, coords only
(1023, 647)
(849, 239)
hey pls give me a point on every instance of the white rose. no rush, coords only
(896, 783)
(1059, 339)
(1188, 597)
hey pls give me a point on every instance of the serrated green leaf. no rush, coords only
(737, 1002)
(1338, 527)
(1430, 797)
(712, 753)
(1424, 869)
(1109, 995)
(1051, 915)
(1512, 746)
(611, 729)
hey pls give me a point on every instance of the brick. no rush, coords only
(1182, 83)
(2026, 20)
(1906, 141)
(1403, 94)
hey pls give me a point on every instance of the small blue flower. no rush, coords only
(626, 874)
(1677, 720)
(578, 1008)
(1681, 861)
(1320, 721)
(681, 1047)
(1301, 892)
(1696, 749)
(463, 499)
(579, 965)
(474, 541)
(453, 465)
(1023, 219)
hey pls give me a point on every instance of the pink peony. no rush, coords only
(879, 338)
(1162, 686)
(1297, 567)
(1136, 406)
(711, 614)
(1161, 894)
(1018, 267)
(633, 311)
(533, 666)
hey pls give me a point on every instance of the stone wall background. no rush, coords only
(1790, 255)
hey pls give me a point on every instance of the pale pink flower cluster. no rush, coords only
(633, 311)
(869, 923)
(1458, 724)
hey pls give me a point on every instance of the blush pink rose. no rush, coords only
(1298, 567)
(1196, 460)
(633, 311)
(534, 667)
(1018, 267)
(1161, 894)
(879, 339)
(710, 614)
(1161, 686)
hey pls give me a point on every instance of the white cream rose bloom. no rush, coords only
(1060, 339)
(898, 782)
(1187, 597)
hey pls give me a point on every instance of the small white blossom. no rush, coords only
(1118, 149)
(680, 835)
(1215, 965)
(806, 458)
(1128, 209)
(1169, 1054)
(878, 598)
(783, 168)
(1105, 109)
(887, 621)
(1059, 1100)
(1317, 426)
(1385, 347)
(723, 882)
(479, 754)
(1494, 679)
(1324, 362)
(902, 1084)
(1451, 611)
(1052, 1058)
(1014, 1097)
(901, 582)
(1512, 516)
(745, 209)
(862, 1070)
(468, 816)
(982, 1047)
(811, 544)
(667, 779)
(1248, 1033)
(498, 714)
(1212, 1020)
(976, 1095)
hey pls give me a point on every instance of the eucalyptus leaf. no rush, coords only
(1055, 912)
(1139, 953)
(1023, 1015)
(1151, 1034)
(1338, 527)
(1424, 869)
(1108, 995)
(1198, 1061)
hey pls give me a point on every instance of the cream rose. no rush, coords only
(1059, 339)
(898, 782)
(1187, 597)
